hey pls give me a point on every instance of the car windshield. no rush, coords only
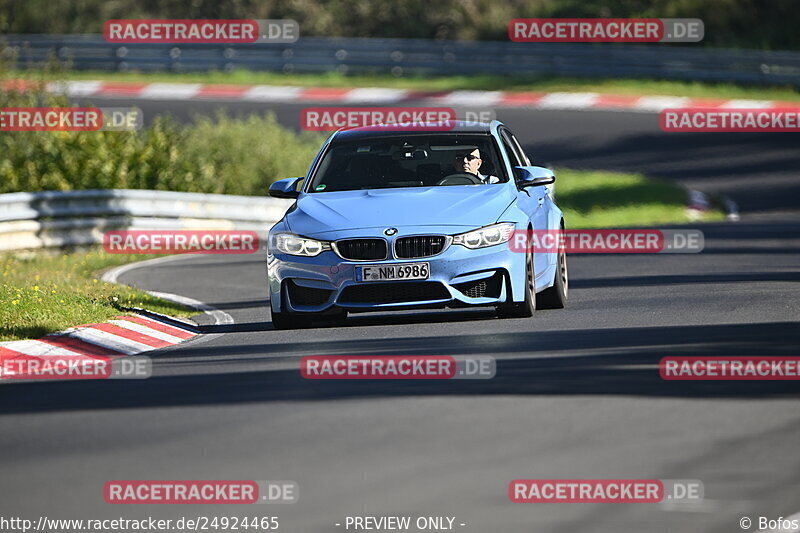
(407, 161)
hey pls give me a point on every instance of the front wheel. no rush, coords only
(289, 321)
(526, 308)
(555, 297)
(285, 320)
(331, 317)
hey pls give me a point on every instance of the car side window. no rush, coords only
(523, 156)
(513, 156)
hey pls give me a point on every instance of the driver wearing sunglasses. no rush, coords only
(470, 163)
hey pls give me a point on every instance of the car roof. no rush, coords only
(428, 128)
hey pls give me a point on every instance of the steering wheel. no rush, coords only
(460, 178)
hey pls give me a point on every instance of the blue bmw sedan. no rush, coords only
(389, 218)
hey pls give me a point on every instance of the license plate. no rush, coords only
(393, 272)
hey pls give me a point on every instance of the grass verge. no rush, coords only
(43, 292)
(595, 199)
(444, 83)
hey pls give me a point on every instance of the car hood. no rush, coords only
(468, 206)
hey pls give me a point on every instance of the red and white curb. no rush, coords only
(376, 95)
(219, 317)
(124, 336)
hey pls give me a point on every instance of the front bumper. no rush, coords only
(458, 277)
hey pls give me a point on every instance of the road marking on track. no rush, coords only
(36, 347)
(159, 326)
(75, 88)
(376, 95)
(567, 100)
(220, 317)
(269, 93)
(170, 91)
(477, 98)
(79, 346)
(748, 104)
(659, 103)
(144, 330)
(109, 340)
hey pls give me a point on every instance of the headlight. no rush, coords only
(483, 237)
(288, 243)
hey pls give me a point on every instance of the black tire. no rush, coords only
(303, 320)
(555, 297)
(526, 308)
(340, 315)
(289, 321)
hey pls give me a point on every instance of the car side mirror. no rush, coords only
(533, 176)
(285, 188)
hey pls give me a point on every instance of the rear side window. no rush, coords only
(520, 151)
(513, 156)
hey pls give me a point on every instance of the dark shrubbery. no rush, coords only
(220, 155)
(729, 23)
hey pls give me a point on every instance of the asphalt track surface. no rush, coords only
(577, 393)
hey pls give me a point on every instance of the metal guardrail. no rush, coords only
(419, 57)
(75, 218)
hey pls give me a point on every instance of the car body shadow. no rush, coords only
(613, 362)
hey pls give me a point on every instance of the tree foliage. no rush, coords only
(767, 24)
